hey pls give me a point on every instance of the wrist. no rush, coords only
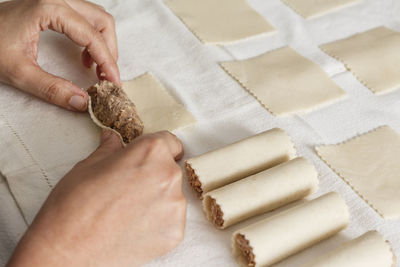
(38, 248)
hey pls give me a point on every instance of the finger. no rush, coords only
(110, 37)
(87, 60)
(110, 143)
(69, 22)
(53, 89)
(101, 20)
(174, 144)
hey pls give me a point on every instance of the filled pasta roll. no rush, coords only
(284, 234)
(261, 192)
(368, 250)
(238, 160)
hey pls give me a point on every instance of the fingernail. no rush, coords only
(78, 102)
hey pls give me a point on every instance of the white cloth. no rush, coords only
(39, 142)
(12, 224)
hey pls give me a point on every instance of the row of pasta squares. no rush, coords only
(283, 81)
(262, 173)
(227, 21)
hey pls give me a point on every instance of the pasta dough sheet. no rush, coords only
(261, 192)
(284, 82)
(314, 8)
(238, 160)
(284, 234)
(222, 21)
(158, 110)
(369, 250)
(373, 57)
(370, 165)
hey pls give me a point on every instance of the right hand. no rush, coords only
(118, 207)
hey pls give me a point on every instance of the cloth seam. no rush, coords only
(13, 197)
(27, 150)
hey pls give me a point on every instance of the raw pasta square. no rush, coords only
(313, 8)
(370, 249)
(220, 21)
(284, 82)
(370, 165)
(156, 107)
(373, 57)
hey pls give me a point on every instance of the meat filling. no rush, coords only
(115, 110)
(246, 250)
(194, 180)
(216, 213)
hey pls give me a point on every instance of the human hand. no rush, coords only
(118, 207)
(85, 23)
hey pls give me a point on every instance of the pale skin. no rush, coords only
(122, 206)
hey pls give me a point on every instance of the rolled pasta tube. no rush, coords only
(284, 234)
(261, 192)
(238, 160)
(368, 250)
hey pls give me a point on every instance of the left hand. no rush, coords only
(85, 23)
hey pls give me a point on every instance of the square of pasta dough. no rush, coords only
(370, 164)
(285, 82)
(220, 21)
(314, 8)
(155, 106)
(373, 57)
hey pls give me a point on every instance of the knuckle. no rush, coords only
(51, 91)
(98, 6)
(109, 19)
(172, 175)
(154, 145)
(105, 21)
(175, 172)
(171, 178)
(96, 36)
(170, 184)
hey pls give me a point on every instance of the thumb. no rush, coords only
(110, 143)
(51, 88)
